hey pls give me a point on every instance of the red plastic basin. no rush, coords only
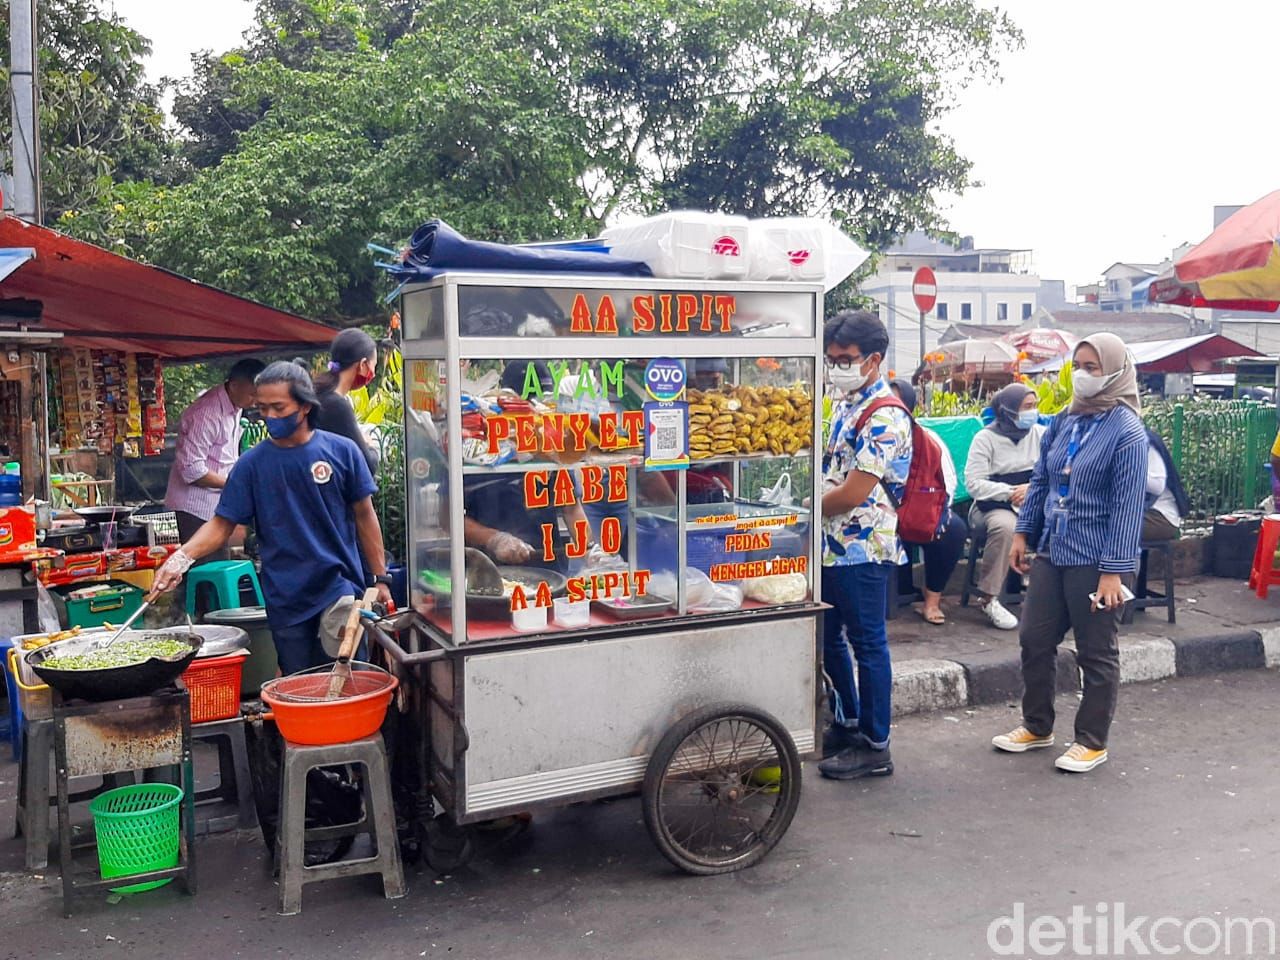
(319, 722)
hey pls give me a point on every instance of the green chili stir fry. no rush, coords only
(123, 653)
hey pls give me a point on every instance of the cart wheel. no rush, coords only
(721, 789)
(446, 846)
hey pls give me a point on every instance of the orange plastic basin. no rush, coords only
(319, 722)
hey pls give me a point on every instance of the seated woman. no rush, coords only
(1166, 500)
(997, 474)
(942, 553)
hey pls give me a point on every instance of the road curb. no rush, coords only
(987, 677)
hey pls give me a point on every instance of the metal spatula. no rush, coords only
(128, 623)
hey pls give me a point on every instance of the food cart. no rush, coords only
(674, 651)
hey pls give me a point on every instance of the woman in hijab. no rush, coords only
(997, 476)
(1082, 516)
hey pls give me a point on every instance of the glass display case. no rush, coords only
(594, 454)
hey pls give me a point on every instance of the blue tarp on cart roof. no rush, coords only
(437, 248)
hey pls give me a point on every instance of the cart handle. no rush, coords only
(13, 668)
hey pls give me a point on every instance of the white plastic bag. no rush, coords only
(686, 243)
(724, 598)
(778, 588)
(788, 248)
(698, 586)
(802, 248)
(779, 495)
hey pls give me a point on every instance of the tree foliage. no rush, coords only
(100, 121)
(341, 121)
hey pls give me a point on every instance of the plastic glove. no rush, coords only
(507, 548)
(596, 557)
(170, 573)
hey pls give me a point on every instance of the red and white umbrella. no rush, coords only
(1237, 267)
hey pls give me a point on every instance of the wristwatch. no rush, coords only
(382, 578)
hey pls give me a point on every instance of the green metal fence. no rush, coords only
(1221, 449)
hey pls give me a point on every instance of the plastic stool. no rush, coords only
(379, 820)
(16, 719)
(1144, 598)
(1264, 574)
(226, 579)
(235, 784)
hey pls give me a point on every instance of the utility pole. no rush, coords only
(23, 83)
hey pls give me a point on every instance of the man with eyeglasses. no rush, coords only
(864, 469)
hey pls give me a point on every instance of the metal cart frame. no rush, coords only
(530, 722)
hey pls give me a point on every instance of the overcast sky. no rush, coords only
(1115, 131)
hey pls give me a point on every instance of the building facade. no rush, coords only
(984, 286)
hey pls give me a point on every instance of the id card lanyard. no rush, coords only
(1059, 520)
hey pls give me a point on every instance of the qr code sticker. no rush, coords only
(666, 438)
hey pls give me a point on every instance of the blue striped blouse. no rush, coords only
(1105, 493)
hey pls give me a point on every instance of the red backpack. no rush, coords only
(923, 508)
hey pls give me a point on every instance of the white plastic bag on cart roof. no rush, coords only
(803, 249)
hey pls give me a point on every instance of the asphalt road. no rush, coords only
(1181, 823)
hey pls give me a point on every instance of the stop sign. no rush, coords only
(924, 289)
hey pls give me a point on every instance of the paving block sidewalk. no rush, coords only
(1221, 625)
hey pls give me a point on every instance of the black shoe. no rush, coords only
(853, 763)
(838, 737)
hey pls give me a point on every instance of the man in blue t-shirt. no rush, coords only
(309, 495)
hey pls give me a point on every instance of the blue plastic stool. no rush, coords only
(16, 720)
(226, 580)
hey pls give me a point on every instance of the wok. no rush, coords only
(487, 607)
(111, 683)
(104, 514)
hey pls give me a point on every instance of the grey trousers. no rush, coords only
(1057, 600)
(999, 525)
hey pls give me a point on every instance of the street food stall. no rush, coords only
(86, 337)
(652, 447)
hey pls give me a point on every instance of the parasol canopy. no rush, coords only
(979, 356)
(1042, 343)
(1237, 267)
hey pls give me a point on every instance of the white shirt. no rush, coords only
(1158, 486)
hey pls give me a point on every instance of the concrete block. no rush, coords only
(993, 676)
(996, 676)
(1216, 654)
(1271, 646)
(923, 685)
(1146, 659)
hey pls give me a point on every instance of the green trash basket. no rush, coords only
(137, 830)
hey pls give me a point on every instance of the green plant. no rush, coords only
(946, 403)
(1054, 392)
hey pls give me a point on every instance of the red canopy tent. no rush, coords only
(1203, 354)
(101, 300)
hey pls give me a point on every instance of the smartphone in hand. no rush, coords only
(1125, 596)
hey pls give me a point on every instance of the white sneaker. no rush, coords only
(1000, 618)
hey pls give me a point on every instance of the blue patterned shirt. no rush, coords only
(869, 532)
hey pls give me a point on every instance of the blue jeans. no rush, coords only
(298, 646)
(857, 597)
